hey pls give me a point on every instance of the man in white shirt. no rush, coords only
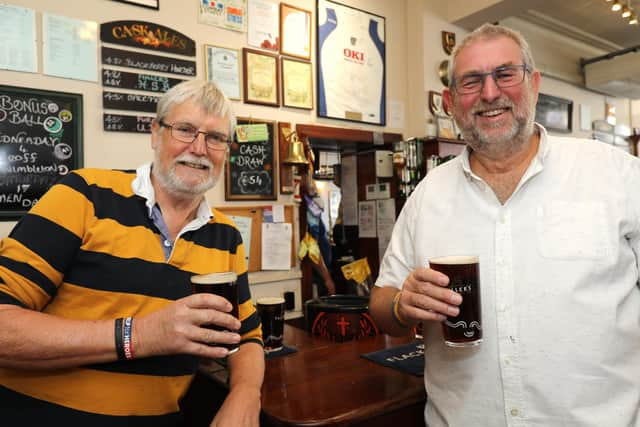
(556, 224)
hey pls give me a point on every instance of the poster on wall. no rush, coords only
(41, 136)
(229, 14)
(18, 50)
(69, 48)
(350, 64)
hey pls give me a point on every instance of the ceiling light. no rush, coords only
(634, 19)
(608, 1)
(616, 6)
(626, 12)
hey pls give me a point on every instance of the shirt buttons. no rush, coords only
(515, 412)
(167, 243)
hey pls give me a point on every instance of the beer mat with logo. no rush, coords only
(282, 352)
(408, 358)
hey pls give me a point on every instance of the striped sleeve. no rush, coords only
(42, 245)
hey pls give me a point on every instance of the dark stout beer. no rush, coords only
(465, 329)
(271, 310)
(221, 284)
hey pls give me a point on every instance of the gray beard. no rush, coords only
(507, 143)
(172, 183)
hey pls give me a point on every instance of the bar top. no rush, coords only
(328, 383)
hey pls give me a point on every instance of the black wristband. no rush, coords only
(119, 339)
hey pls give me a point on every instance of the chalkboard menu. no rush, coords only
(41, 139)
(145, 61)
(129, 101)
(149, 82)
(122, 123)
(250, 174)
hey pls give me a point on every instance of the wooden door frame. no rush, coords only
(341, 134)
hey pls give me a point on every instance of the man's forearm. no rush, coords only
(34, 340)
(380, 307)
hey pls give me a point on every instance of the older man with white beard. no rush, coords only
(97, 322)
(556, 225)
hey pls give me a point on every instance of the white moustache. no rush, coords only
(194, 161)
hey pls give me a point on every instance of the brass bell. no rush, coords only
(296, 151)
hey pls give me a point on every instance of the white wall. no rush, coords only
(119, 150)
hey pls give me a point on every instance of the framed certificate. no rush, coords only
(297, 84)
(222, 66)
(295, 31)
(350, 64)
(263, 25)
(260, 77)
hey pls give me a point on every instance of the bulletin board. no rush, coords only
(255, 212)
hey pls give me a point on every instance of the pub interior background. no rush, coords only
(414, 54)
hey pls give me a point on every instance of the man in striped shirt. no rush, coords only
(106, 248)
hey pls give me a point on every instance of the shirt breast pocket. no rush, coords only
(572, 230)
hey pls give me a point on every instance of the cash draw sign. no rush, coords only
(250, 174)
(40, 141)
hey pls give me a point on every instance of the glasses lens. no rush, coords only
(507, 76)
(216, 142)
(184, 132)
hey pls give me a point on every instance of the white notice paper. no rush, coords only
(18, 47)
(244, 226)
(386, 217)
(278, 213)
(367, 219)
(276, 246)
(70, 48)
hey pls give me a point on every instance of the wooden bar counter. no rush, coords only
(329, 384)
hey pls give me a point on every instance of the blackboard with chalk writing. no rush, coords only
(40, 141)
(250, 174)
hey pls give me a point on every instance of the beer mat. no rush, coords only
(282, 352)
(408, 358)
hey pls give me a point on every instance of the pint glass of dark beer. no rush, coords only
(464, 330)
(224, 285)
(271, 311)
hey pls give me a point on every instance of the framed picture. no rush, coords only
(261, 77)
(251, 173)
(222, 66)
(151, 4)
(554, 113)
(44, 131)
(295, 31)
(350, 78)
(446, 128)
(263, 25)
(435, 103)
(297, 85)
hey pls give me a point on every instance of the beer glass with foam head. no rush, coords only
(224, 285)
(464, 330)
(271, 311)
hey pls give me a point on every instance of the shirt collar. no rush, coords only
(543, 151)
(143, 187)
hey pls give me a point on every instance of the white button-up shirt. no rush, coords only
(560, 301)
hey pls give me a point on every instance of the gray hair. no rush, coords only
(490, 32)
(204, 93)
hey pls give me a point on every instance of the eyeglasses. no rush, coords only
(185, 132)
(505, 76)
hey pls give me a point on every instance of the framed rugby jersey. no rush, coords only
(351, 64)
